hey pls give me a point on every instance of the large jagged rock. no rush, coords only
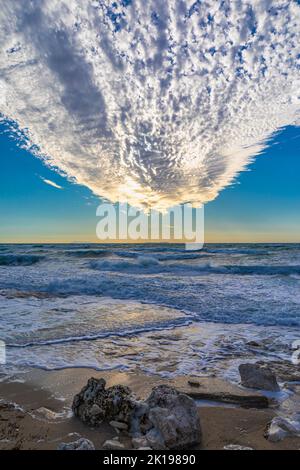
(168, 419)
(95, 404)
(175, 419)
(258, 376)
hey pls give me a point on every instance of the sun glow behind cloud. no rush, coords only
(152, 102)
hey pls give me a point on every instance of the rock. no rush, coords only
(80, 444)
(47, 414)
(95, 404)
(193, 383)
(274, 433)
(168, 419)
(253, 344)
(113, 445)
(280, 428)
(257, 376)
(175, 419)
(155, 439)
(286, 371)
(144, 448)
(138, 442)
(95, 410)
(140, 423)
(119, 425)
(236, 447)
(215, 389)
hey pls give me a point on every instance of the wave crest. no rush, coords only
(19, 260)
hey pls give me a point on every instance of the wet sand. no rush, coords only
(226, 417)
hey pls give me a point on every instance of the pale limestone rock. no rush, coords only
(236, 447)
(113, 445)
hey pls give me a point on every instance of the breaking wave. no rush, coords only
(19, 260)
(152, 265)
(89, 253)
(155, 326)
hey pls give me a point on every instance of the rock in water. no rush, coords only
(280, 427)
(175, 419)
(95, 404)
(47, 414)
(80, 444)
(257, 376)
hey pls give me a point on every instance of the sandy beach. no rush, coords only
(144, 316)
(229, 414)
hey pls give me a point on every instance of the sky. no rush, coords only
(154, 103)
(262, 205)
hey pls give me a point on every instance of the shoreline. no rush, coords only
(229, 414)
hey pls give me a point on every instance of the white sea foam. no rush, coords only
(196, 349)
(152, 102)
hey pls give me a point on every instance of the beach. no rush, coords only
(149, 225)
(23, 427)
(145, 315)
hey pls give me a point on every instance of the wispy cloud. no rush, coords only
(51, 183)
(156, 102)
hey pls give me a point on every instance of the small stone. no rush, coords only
(113, 445)
(257, 376)
(119, 425)
(144, 448)
(236, 447)
(138, 442)
(193, 383)
(80, 444)
(47, 414)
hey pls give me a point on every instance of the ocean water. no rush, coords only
(154, 307)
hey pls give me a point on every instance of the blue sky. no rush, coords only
(262, 205)
(153, 104)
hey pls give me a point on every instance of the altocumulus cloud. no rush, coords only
(152, 102)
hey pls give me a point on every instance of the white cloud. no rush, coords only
(51, 183)
(156, 102)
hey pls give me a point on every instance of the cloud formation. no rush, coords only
(151, 102)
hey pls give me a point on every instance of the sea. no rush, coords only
(151, 307)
